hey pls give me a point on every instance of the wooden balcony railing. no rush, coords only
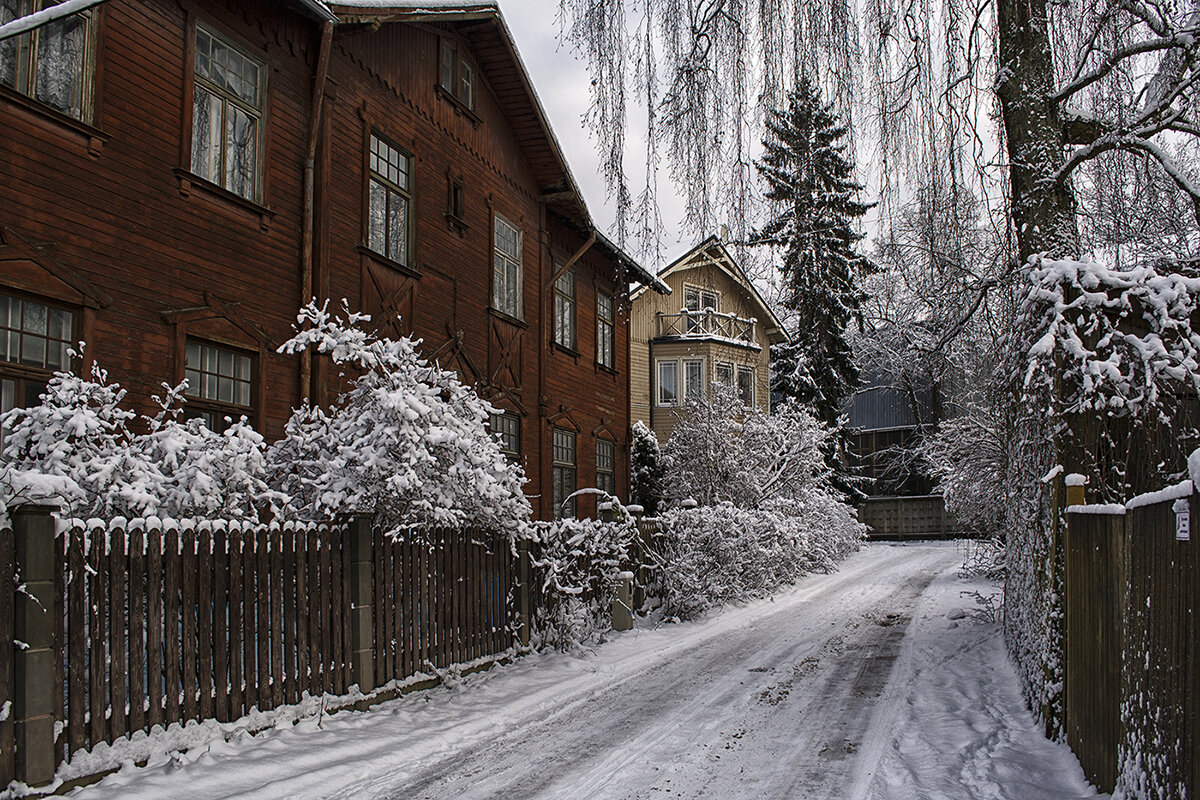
(706, 323)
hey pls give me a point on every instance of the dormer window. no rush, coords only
(457, 74)
(697, 300)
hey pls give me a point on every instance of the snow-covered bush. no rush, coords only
(724, 451)
(576, 564)
(76, 449)
(707, 556)
(968, 456)
(647, 475)
(408, 441)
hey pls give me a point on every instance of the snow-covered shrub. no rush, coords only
(708, 556)
(76, 449)
(722, 450)
(647, 475)
(408, 441)
(968, 456)
(576, 563)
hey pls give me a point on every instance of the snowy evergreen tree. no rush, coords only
(813, 194)
(646, 470)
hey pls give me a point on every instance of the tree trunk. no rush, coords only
(1043, 210)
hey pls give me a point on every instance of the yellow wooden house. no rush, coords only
(714, 326)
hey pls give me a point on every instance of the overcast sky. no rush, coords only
(562, 83)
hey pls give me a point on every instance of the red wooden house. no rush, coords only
(178, 176)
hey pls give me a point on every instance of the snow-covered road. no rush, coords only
(867, 683)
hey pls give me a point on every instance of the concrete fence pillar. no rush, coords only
(622, 603)
(35, 609)
(360, 540)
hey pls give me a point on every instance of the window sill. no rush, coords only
(498, 314)
(189, 181)
(605, 368)
(94, 138)
(460, 108)
(387, 262)
(456, 223)
(572, 352)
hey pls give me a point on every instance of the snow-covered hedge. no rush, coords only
(407, 442)
(77, 450)
(576, 564)
(708, 556)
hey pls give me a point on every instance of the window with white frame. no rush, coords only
(564, 310)
(456, 75)
(227, 110)
(724, 373)
(506, 271)
(693, 379)
(506, 427)
(745, 384)
(668, 383)
(606, 327)
(564, 460)
(53, 64)
(606, 466)
(389, 208)
(219, 384)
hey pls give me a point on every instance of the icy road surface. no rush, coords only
(873, 682)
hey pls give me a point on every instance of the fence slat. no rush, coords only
(76, 640)
(220, 625)
(262, 614)
(188, 610)
(276, 560)
(249, 625)
(97, 691)
(326, 598)
(59, 647)
(382, 611)
(204, 622)
(337, 613)
(290, 647)
(137, 628)
(302, 663)
(403, 580)
(314, 614)
(118, 670)
(154, 627)
(237, 626)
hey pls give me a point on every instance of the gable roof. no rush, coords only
(495, 51)
(712, 252)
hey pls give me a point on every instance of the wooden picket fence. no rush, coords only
(156, 623)
(1132, 650)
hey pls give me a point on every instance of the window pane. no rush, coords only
(34, 320)
(693, 373)
(11, 48)
(8, 391)
(241, 394)
(668, 385)
(448, 59)
(241, 133)
(60, 64)
(465, 87)
(193, 379)
(193, 355)
(398, 228)
(377, 220)
(206, 134)
(746, 385)
(225, 390)
(241, 368)
(33, 349)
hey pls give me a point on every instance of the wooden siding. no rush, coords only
(116, 217)
(645, 350)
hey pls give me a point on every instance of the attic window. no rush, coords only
(457, 76)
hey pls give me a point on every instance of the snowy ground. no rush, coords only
(875, 682)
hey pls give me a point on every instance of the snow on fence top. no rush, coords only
(1115, 509)
(1179, 490)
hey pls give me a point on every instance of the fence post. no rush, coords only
(523, 581)
(33, 706)
(359, 539)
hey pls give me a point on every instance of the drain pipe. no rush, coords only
(310, 157)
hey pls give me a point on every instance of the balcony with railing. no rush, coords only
(706, 324)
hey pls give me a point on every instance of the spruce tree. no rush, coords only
(813, 200)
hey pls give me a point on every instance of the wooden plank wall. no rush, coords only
(1095, 588)
(1132, 664)
(922, 516)
(8, 587)
(439, 604)
(165, 627)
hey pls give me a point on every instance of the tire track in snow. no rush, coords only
(788, 696)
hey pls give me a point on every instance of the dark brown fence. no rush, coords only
(1132, 664)
(145, 623)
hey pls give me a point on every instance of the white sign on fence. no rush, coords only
(1183, 520)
